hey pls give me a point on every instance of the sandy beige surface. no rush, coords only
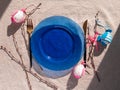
(107, 61)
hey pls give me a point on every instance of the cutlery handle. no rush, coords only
(30, 52)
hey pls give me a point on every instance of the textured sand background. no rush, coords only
(107, 61)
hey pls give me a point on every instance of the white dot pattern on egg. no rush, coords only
(19, 16)
(78, 70)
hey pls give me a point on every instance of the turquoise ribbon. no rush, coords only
(105, 38)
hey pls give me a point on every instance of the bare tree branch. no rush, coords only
(91, 50)
(21, 59)
(50, 84)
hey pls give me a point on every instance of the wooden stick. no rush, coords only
(93, 64)
(91, 50)
(17, 49)
(33, 10)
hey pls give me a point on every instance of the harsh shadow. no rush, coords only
(3, 5)
(12, 28)
(100, 49)
(72, 82)
(109, 68)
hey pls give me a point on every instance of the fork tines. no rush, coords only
(29, 26)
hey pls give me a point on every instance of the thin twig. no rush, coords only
(23, 25)
(96, 19)
(17, 49)
(93, 66)
(50, 84)
(24, 37)
(10, 55)
(97, 14)
(91, 50)
(21, 61)
(33, 10)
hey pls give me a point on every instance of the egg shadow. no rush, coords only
(72, 82)
(12, 28)
(100, 49)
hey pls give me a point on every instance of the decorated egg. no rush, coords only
(18, 16)
(79, 71)
(105, 38)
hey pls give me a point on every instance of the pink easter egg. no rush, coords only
(79, 71)
(18, 16)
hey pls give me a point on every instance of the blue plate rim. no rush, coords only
(60, 67)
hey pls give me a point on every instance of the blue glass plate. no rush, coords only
(57, 43)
